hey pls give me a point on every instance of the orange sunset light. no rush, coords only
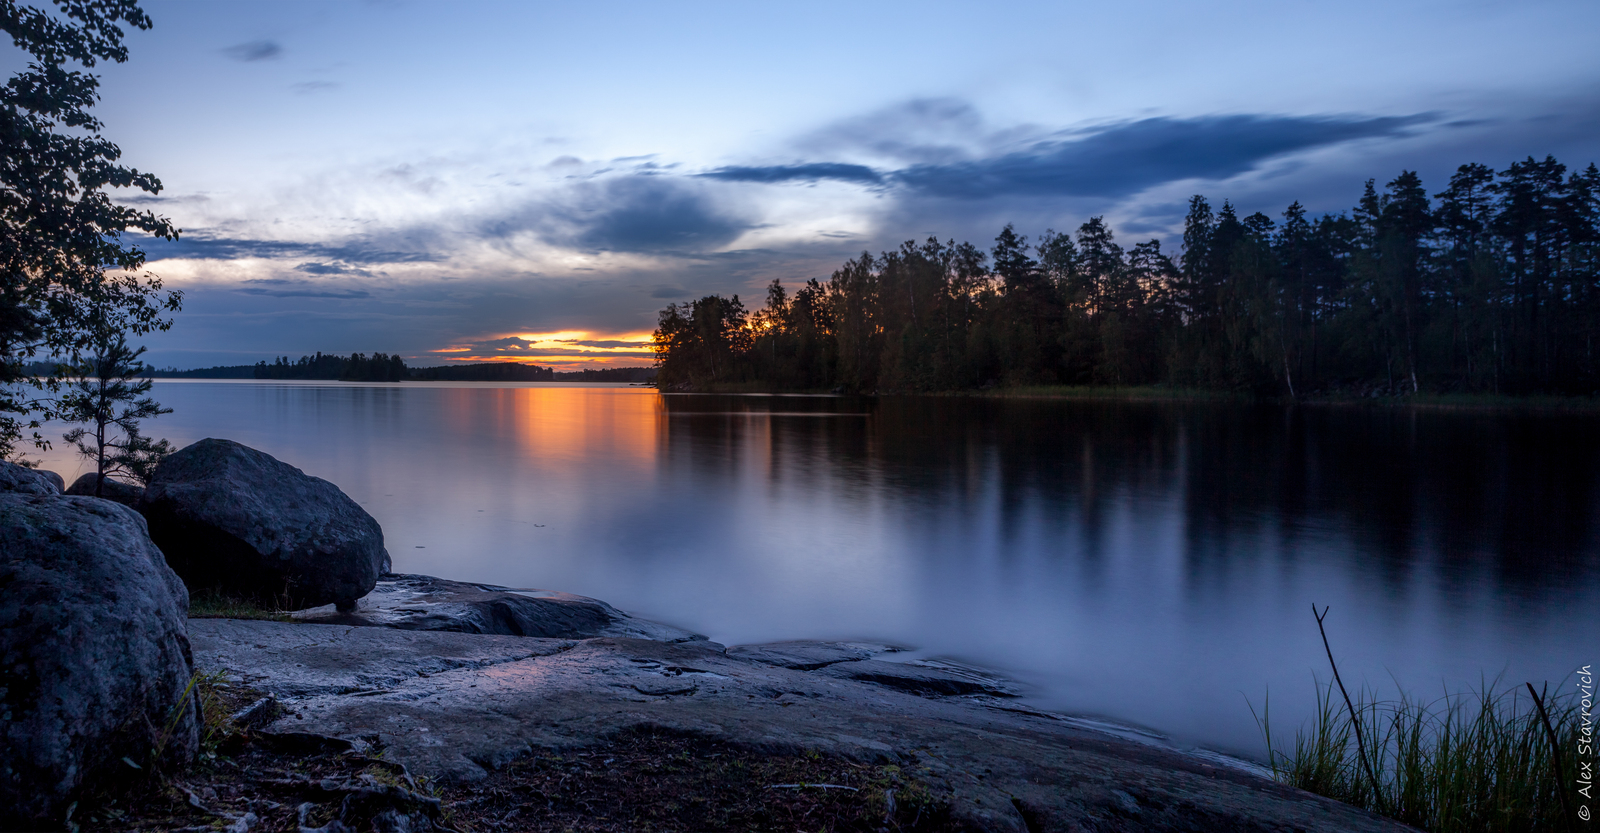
(560, 348)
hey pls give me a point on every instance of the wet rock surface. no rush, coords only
(94, 661)
(426, 603)
(928, 678)
(457, 706)
(238, 520)
(809, 656)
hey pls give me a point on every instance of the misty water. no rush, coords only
(1150, 563)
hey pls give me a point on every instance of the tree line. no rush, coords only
(381, 367)
(1490, 285)
(357, 367)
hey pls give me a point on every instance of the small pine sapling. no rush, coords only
(110, 396)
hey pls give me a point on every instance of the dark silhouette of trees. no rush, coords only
(64, 262)
(484, 372)
(1491, 285)
(357, 367)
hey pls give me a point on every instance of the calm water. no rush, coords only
(1151, 563)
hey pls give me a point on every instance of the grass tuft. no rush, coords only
(1465, 762)
(214, 604)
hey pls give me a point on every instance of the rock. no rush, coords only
(939, 679)
(126, 494)
(809, 656)
(94, 655)
(425, 603)
(501, 699)
(17, 479)
(238, 520)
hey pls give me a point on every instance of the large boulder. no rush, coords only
(126, 494)
(94, 654)
(237, 520)
(17, 479)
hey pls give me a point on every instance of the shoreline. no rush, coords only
(464, 709)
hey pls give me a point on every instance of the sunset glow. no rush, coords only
(563, 348)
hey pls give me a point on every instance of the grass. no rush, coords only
(213, 604)
(1465, 762)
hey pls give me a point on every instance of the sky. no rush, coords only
(460, 181)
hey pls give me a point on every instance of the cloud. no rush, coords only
(810, 172)
(668, 292)
(1124, 159)
(952, 155)
(311, 268)
(644, 214)
(203, 244)
(922, 130)
(256, 50)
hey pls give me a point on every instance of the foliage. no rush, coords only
(65, 265)
(1476, 761)
(357, 367)
(110, 395)
(1490, 286)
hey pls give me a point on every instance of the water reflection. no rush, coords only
(1149, 562)
(1077, 542)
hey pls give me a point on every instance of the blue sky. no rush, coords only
(452, 180)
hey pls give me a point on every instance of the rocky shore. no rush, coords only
(405, 703)
(458, 706)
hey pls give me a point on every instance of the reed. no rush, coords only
(1479, 760)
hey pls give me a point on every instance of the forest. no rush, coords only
(357, 367)
(1491, 285)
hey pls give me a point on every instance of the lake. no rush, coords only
(1152, 564)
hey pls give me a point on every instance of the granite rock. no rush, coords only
(94, 654)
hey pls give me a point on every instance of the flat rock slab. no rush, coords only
(425, 603)
(809, 656)
(455, 705)
(929, 678)
(300, 661)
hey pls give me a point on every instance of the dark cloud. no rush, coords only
(1125, 159)
(923, 130)
(647, 214)
(331, 269)
(205, 245)
(256, 50)
(790, 173)
(668, 292)
(1113, 161)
